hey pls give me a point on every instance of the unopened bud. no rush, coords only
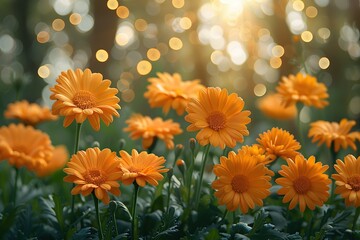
(178, 150)
(192, 142)
(122, 144)
(96, 144)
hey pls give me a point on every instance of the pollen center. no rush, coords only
(84, 99)
(302, 185)
(216, 121)
(95, 177)
(240, 183)
(354, 182)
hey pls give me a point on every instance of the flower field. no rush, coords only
(178, 119)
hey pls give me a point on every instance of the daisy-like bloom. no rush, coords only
(279, 143)
(328, 132)
(29, 113)
(241, 182)
(219, 117)
(303, 88)
(25, 147)
(84, 95)
(304, 182)
(348, 180)
(141, 167)
(148, 129)
(56, 162)
(257, 152)
(94, 170)
(168, 91)
(271, 105)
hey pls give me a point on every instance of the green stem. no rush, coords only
(169, 192)
(333, 161)
(153, 145)
(133, 213)
(96, 203)
(198, 189)
(299, 107)
(190, 175)
(224, 216)
(76, 148)
(357, 213)
(15, 185)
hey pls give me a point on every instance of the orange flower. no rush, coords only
(148, 129)
(142, 168)
(219, 117)
(94, 170)
(56, 162)
(84, 95)
(348, 180)
(304, 182)
(168, 91)
(241, 182)
(303, 88)
(25, 147)
(329, 132)
(279, 143)
(271, 105)
(30, 114)
(257, 152)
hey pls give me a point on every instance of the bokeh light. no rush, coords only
(102, 55)
(58, 24)
(324, 63)
(175, 43)
(75, 19)
(153, 54)
(122, 12)
(144, 67)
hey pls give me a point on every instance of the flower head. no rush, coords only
(333, 132)
(219, 117)
(30, 114)
(242, 182)
(348, 180)
(141, 167)
(168, 91)
(25, 147)
(148, 129)
(84, 95)
(279, 143)
(56, 162)
(303, 88)
(257, 152)
(304, 182)
(94, 170)
(271, 105)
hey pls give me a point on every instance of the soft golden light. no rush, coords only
(112, 4)
(122, 12)
(153, 54)
(185, 23)
(259, 90)
(121, 39)
(324, 33)
(140, 25)
(324, 63)
(178, 3)
(175, 43)
(144, 67)
(275, 62)
(306, 36)
(44, 71)
(298, 5)
(43, 37)
(75, 19)
(102, 55)
(128, 95)
(58, 25)
(278, 51)
(311, 12)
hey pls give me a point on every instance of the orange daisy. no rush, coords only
(148, 129)
(304, 182)
(168, 91)
(257, 152)
(242, 182)
(30, 114)
(333, 132)
(56, 162)
(271, 105)
(279, 143)
(25, 147)
(141, 167)
(303, 88)
(84, 95)
(94, 170)
(348, 180)
(219, 117)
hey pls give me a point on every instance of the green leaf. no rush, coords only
(88, 233)
(58, 209)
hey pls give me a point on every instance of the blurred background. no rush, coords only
(243, 45)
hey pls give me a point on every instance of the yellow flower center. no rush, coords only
(240, 183)
(84, 99)
(302, 185)
(95, 177)
(216, 120)
(354, 182)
